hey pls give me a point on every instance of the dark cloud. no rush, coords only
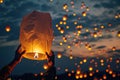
(100, 47)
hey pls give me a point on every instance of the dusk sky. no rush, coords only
(91, 32)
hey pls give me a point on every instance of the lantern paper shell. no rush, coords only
(36, 35)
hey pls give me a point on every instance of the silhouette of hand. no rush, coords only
(18, 54)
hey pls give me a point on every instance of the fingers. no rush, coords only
(23, 52)
(18, 48)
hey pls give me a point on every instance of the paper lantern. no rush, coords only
(36, 35)
(7, 28)
(45, 66)
(1, 1)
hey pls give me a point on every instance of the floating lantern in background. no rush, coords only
(90, 68)
(7, 28)
(95, 34)
(64, 18)
(45, 66)
(59, 55)
(65, 6)
(84, 13)
(36, 35)
(1, 1)
(87, 8)
(113, 48)
(118, 34)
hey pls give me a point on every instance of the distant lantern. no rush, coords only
(62, 31)
(36, 35)
(87, 8)
(65, 6)
(71, 57)
(90, 68)
(7, 28)
(64, 18)
(113, 48)
(95, 34)
(1, 1)
(45, 66)
(59, 55)
(118, 34)
(84, 13)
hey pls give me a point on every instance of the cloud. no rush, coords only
(9, 43)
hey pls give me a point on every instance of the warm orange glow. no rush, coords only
(89, 48)
(77, 76)
(84, 14)
(113, 75)
(61, 31)
(104, 77)
(64, 18)
(85, 75)
(110, 71)
(81, 76)
(65, 6)
(94, 34)
(69, 74)
(90, 68)
(45, 66)
(75, 22)
(113, 48)
(59, 55)
(84, 60)
(7, 28)
(87, 8)
(102, 26)
(41, 73)
(78, 71)
(61, 43)
(61, 22)
(118, 34)
(37, 39)
(71, 57)
(67, 27)
(1, 1)
(90, 74)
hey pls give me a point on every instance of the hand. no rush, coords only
(19, 53)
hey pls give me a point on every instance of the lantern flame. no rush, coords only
(36, 55)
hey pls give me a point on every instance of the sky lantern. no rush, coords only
(118, 34)
(45, 66)
(71, 57)
(7, 28)
(90, 68)
(59, 55)
(64, 18)
(65, 6)
(87, 8)
(1, 1)
(95, 34)
(113, 48)
(36, 35)
(84, 13)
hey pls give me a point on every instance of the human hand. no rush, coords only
(18, 54)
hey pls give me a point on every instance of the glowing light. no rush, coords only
(36, 55)
(84, 14)
(64, 18)
(78, 71)
(65, 6)
(59, 55)
(90, 68)
(1, 1)
(7, 28)
(45, 66)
